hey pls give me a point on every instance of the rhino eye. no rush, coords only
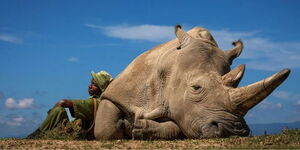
(196, 87)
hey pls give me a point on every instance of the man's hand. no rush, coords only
(64, 103)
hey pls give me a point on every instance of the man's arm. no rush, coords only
(65, 103)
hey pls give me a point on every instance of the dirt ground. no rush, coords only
(287, 139)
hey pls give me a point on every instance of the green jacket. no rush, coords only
(84, 110)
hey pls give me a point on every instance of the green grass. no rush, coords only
(65, 131)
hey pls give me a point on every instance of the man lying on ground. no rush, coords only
(83, 111)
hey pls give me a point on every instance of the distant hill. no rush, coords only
(273, 128)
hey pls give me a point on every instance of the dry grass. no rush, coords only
(287, 139)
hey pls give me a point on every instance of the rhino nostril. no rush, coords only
(212, 129)
(215, 124)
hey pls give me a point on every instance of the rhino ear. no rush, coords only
(234, 52)
(183, 37)
(234, 77)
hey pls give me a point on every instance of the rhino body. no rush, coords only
(181, 89)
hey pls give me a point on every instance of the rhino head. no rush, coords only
(205, 101)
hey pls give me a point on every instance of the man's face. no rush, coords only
(93, 89)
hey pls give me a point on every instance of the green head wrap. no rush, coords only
(102, 79)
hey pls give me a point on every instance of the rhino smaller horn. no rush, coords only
(246, 97)
(234, 77)
(234, 52)
(183, 37)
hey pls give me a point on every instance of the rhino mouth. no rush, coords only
(218, 128)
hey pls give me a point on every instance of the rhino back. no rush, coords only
(138, 86)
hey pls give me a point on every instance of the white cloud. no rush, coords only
(16, 121)
(25, 103)
(259, 53)
(286, 95)
(282, 94)
(269, 105)
(18, 125)
(10, 38)
(93, 26)
(298, 102)
(153, 33)
(72, 59)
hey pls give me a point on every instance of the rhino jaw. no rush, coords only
(244, 98)
(216, 129)
(222, 124)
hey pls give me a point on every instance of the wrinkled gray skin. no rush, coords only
(181, 89)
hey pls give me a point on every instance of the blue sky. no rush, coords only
(49, 48)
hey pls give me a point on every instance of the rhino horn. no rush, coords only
(244, 98)
(183, 37)
(234, 77)
(234, 52)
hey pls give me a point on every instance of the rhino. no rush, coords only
(183, 88)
